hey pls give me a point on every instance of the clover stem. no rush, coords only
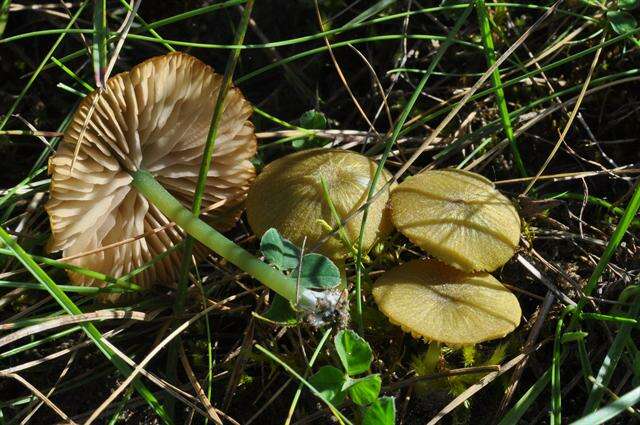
(144, 182)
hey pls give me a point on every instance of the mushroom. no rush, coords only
(461, 219)
(155, 117)
(288, 195)
(444, 305)
(458, 217)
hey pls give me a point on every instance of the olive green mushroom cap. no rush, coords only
(439, 303)
(288, 196)
(458, 217)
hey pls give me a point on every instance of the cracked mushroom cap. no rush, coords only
(439, 303)
(288, 195)
(458, 217)
(154, 117)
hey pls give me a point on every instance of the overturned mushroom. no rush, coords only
(441, 304)
(458, 217)
(155, 117)
(289, 196)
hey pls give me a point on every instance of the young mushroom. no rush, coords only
(289, 196)
(441, 304)
(155, 117)
(458, 217)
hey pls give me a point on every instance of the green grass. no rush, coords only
(487, 39)
(428, 58)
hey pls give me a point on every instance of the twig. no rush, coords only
(545, 281)
(483, 383)
(440, 375)
(442, 124)
(64, 372)
(576, 108)
(41, 396)
(548, 302)
(144, 362)
(197, 387)
(68, 320)
(341, 75)
(122, 36)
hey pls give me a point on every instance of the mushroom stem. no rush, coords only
(155, 193)
(344, 282)
(432, 358)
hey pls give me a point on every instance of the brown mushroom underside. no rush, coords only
(154, 117)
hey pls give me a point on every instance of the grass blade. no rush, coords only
(77, 269)
(99, 46)
(215, 123)
(185, 266)
(388, 145)
(490, 53)
(610, 362)
(514, 415)
(40, 67)
(611, 410)
(339, 416)
(556, 388)
(616, 238)
(371, 11)
(4, 15)
(92, 332)
(312, 361)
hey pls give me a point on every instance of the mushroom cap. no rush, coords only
(288, 195)
(154, 117)
(458, 217)
(439, 303)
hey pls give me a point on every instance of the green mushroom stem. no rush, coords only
(303, 299)
(432, 357)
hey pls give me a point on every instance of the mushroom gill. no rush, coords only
(154, 117)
